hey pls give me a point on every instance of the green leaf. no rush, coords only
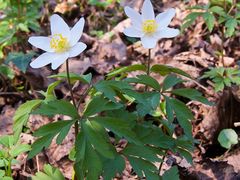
(7, 71)
(146, 80)
(110, 87)
(52, 108)
(2, 173)
(182, 113)
(99, 104)
(20, 59)
(135, 67)
(147, 102)
(80, 145)
(99, 3)
(165, 70)
(96, 135)
(170, 81)
(171, 174)
(231, 25)
(50, 94)
(74, 77)
(219, 86)
(23, 27)
(7, 178)
(49, 173)
(186, 154)
(218, 10)
(91, 166)
(7, 140)
(93, 163)
(21, 116)
(59, 127)
(39, 144)
(140, 165)
(19, 149)
(120, 127)
(189, 19)
(131, 117)
(154, 136)
(209, 19)
(113, 166)
(227, 138)
(144, 152)
(192, 94)
(151, 102)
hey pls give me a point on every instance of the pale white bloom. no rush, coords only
(148, 27)
(61, 45)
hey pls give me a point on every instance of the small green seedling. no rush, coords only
(10, 149)
(227, 138)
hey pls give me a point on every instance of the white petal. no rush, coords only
(43, 60)
(149, 42)
(132, 32)
(59, 26)
(41, 43)
(77, 49)
(167, 33)
(60, 60)
(164, 19)
(147, 10)
(76, 32)
(135, 17)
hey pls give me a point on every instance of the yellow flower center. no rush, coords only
(59, 43)
(149, 26)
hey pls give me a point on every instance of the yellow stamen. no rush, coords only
(149, 26)
(59, 43)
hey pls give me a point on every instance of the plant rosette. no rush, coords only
(61, 45)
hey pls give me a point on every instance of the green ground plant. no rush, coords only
(225, 16)
(10, 148)
(144, 118)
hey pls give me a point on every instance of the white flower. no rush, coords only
(61, 45)
(149, 28)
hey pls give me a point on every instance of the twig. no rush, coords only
(37, 161)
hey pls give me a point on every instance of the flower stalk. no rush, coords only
(76, 126)
(148, 62)
(148, 66)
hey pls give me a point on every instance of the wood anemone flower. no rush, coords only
(148, 27)
(61, 45)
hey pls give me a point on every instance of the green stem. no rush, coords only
(9, 169)
(76, 126)
(148, 62)
(148, 66)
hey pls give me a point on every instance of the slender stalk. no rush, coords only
(9, 168)
(149, 62)
(76, 126)
(148, 66)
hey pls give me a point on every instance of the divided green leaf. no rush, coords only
(165, 70)
(146, 80)
(52, 108)
(22, 114)
(49, 173)
(126, 69)
(20, 59)
(74, 77)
